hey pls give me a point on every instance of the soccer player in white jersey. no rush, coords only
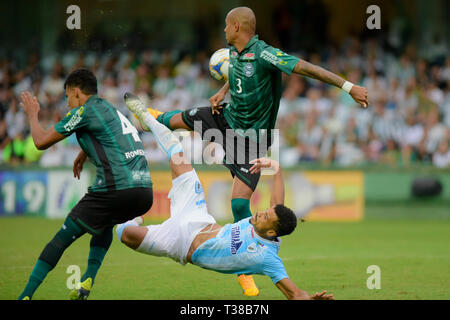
(192, 235)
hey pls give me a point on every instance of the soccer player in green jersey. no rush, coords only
(254, 83)
(122, 189)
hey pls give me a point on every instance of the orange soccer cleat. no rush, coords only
(248, 285)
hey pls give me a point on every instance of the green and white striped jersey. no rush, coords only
(112, 144)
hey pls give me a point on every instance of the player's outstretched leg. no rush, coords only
(134, 238)
(133, 102)
(168, 142)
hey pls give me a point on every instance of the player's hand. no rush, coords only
(322, 296)
(29, 104)
(359, 94)
(78, 164)
(260, 163)
(215, 101)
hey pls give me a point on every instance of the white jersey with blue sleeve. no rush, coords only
(238, 249)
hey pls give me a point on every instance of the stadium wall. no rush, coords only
(321, 195)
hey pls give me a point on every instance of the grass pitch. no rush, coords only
(413, 255)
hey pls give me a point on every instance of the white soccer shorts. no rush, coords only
(188, 216)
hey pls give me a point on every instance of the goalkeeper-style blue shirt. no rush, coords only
(238, 249)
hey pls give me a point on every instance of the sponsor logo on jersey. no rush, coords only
(200, 202)
(248, 69)
(234, 54)
(249, 56)
(76, 118)
(252, 248)
(236, 242)
(269, 57)
(193, 112)
(198, 187)
(140, 175)
(132, 154)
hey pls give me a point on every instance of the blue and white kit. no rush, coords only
(236, 248)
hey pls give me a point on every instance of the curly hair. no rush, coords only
(287, 220)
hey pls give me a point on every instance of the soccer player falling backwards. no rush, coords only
(192, 235)
(254, 82)
(122, 189)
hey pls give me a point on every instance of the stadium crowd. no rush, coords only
(407, 122)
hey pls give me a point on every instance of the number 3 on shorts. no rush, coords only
(238, 84)
(127, 127)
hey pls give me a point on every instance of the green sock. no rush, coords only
(40, 271)
(240, 208)
(51, 254)
(166, 116)
(96, 255)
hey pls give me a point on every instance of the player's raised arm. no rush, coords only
(42, 138)
(277, 195)
(359, 94)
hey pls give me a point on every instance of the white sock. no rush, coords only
(167, 141)
(122, 226)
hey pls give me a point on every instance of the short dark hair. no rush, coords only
(83, 79)
(287, 220)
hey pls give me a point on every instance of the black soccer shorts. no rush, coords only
(239, 150)
(97, 211)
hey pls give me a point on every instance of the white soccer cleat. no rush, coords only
(137, 107)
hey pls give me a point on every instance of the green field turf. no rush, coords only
(413, 254)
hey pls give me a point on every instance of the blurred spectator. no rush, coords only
(309, 138)
(179, 98)
(435, 131)
(441, 157)
(53, 84)
(4, 138)
(109, 90)
(163, 83)
(406, 123)
(15, 119)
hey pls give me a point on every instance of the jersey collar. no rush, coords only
(91, 98)
(267, 241)
(250, 43)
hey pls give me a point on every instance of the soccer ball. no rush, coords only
(218, 64)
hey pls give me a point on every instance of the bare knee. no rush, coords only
(240, 189)
(133, 236)
(177, 122)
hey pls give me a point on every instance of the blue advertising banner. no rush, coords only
(50, 193)
(23, 192)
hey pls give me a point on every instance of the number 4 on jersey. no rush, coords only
(127, 127)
